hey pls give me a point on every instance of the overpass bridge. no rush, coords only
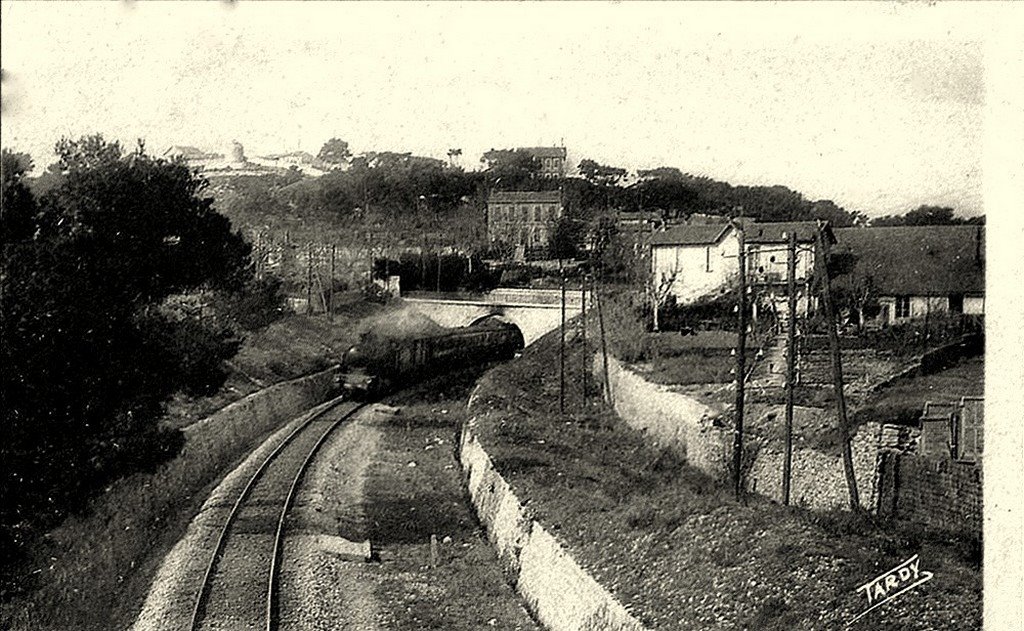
(534, 311)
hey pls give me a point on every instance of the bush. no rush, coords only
(625, 329)
(256, 305)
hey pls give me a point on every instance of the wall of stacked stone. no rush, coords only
(687, 425)
(818, 479)
(265, 409)
(938, 492)
(670, 419)
(557, 590)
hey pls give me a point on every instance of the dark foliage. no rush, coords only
(566, 239)
(927, 216)
(89, 354)
(432, 272)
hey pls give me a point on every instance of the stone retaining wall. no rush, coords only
(671, 419)
(560, 593)
(688, 426)
(271, 405)
(937, 492)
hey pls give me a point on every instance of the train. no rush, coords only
(379, 364)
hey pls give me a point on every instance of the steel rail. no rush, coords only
(272, 581)
(200, 603)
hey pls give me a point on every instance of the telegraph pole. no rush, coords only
(604, 347)
(438, 270)
(583, 318)
(309, 278)
(787, 463)
(330, 286)
(561, 346)
(259, 255)
(741, 364)
(837, 368)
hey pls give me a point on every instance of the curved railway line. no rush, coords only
(246, 558)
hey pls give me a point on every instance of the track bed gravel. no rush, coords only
(385, 480)
(414, 490)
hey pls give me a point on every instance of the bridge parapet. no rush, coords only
(533, 320)
(534, 296)
(503, 296)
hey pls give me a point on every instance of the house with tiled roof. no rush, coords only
(193, 156)
(696, 260)
(917, 271)
(523, 219)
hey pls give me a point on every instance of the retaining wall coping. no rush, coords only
(559, 592)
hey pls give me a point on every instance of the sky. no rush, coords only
(879, 107)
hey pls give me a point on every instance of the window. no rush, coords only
(956, 303)
(707, 259)
(902, 306)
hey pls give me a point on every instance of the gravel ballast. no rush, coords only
(380, 486)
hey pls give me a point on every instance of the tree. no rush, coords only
(565, 239)
(85, 153)
(89, 348)
(513, 169)
(837, 216)
(673, 198)
(17, 214)
(335, 151)
(660, 173)
(925, 215)
(142, 224)
(601, 174)
(453, 154)
(931, 216)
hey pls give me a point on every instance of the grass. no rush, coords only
(695, 367)
(94, 570)
(293, 346)
(675, 546)
(907, 396)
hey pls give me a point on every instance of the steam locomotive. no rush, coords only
(379, 364)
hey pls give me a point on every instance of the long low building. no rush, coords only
(918, 271)
(523, 218)
(908, 272)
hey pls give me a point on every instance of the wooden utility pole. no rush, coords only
(423, 265)
(561, 345)
(837, 367)
(741, 363)
(787, 462)
(309, 278)
(653, 279)
(583, 330)
(330, 286)
(604, 346)
(259, 256)
(439, 271)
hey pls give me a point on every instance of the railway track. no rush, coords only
(240, 586)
